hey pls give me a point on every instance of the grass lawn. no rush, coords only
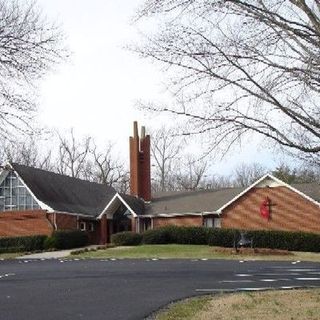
(10, 255)
(276, 305)
(175, 251)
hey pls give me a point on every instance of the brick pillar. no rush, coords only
(140, 180)
(133, 224)
(103, 229)
(134, 161)
(145, 181)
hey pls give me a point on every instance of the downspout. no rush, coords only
(55, 221)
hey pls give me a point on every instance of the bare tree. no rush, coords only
(304, 174)
(29, 46)
(217, 181)
(246, 174)
(192, 175)
(165, 150)
(107, 168)
(123, 185)
(73, 156)
(26, 152)
(243, 67)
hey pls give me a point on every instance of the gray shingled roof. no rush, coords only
(190, 201)
(312, 190)
(64, 193)
(137, 205)
(209, 200)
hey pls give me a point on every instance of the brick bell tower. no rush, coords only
(140, 180)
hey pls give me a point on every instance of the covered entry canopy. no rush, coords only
(120, 215)
(134, 205)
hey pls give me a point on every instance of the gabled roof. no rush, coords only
(132, 203)
(215, 201)
(313, 190)
(190, 202)
(63, 193)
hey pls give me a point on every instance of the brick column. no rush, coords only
(103, 230)
(133, 224)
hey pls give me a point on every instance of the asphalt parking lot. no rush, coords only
(132, 289)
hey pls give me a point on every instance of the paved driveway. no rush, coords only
(131, 289)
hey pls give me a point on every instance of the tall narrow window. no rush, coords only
(14, 195)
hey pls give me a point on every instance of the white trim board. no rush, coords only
(116, 196)
(41, 204)
(277, 183)
(180, 214)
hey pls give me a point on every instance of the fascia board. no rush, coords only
(246, 190)
(117, 195)
(41, 204)
(296, 191)
(260, 180)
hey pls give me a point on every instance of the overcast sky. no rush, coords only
(95, 92)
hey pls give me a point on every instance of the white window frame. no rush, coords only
(212, 222)
(217, 222)
(209, 222)
(91, 227)
(16, 192)
(83, 226)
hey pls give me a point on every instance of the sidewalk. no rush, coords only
(55, 254)
(47, 255)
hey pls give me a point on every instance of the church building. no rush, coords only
(35, 201)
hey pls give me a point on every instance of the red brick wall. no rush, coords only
(24, 223)
(145, 172)
(289, 211)
(178, 221)
(140, 181)
(64, 221)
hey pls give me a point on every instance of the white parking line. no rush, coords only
(253, 289)
(236, 281)
(279, 274)
(302, 270)
(6, 275)
(268, 280)
(214, 290)
(308, 279)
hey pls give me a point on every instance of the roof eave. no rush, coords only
(41, 204)
(117, 195)
(268, 175)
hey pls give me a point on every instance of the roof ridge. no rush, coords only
(13, 164)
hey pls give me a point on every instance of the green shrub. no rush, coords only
(20, 244)
(11, 249)
(292, 241)
(176, 234)
(126, 238)
(162, 235)
(272, 239)
(189, 235)
(68, 239)
(50, 243)
(222, 237)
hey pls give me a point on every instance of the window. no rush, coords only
(83, 226)
(14, 195)
(91, 226)
(208, 222)
(217, 222)
(212, 222)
